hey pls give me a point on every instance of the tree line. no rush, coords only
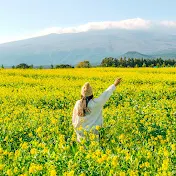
(134, 62)
(109, 62)
(26, 66)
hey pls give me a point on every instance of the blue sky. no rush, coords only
(20, 18)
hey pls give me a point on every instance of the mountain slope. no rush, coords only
(92, 46)
(135, 54)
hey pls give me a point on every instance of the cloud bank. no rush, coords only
(169, 23)
(129, 24)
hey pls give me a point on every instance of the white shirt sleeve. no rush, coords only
(101, 100)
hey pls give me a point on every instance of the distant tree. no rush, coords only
(136, 62)
(132, 62)
(124, 63)
(40, 67)
(22, 66)
(143, 65)
(116, 62)
(121, 62)
(108, 62)
(163, 65)
(157, 65)
(159, 61)
(84, 64)
(136, 66)
(2, 66)
(13, 67)
(64, 66)
(52, 66)
(129, 62)
(31, 66)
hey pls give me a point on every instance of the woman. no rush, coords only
(87, 112)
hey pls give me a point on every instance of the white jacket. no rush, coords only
(94, 118)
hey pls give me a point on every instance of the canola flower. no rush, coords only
(138, 134)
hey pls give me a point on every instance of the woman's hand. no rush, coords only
(117, 81)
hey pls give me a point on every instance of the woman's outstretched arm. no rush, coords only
(101, 100)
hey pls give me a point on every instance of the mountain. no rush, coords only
(92, 45)
(169, 53)
(135, 54)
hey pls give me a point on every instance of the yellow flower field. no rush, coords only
(37, 137)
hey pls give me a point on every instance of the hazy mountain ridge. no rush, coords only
(92, 46)
(135, 54)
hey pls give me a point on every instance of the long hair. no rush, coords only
(83, 109)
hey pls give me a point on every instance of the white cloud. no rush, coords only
(129, 24)
(4, 39)
(169, 23)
